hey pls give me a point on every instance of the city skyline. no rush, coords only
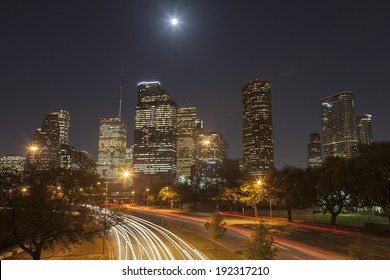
(56, 56)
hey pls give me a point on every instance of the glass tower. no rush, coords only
(314, 151)
(46, 144)
(155, 134)
(364, 129)
(209, 157)
(338, 125)
(112, 147)
(186, 141)
(258, 150)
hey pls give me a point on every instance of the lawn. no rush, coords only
(351, 220)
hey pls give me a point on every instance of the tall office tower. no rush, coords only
(14, 163)
(186, 141)
(314, 153)
(209, 156)
(258, 148)
(363, 129)
(112, 147)
(63, 117)
(45, 148)
(338, 125)
(154, 136)
(210, 147)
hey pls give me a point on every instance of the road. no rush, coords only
(294, 241)
(139, 239)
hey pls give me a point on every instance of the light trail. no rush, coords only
(138, 239)
(288, 248)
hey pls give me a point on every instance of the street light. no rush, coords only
(147, 196)
(33, 149)
(105, 214)
(125, 175)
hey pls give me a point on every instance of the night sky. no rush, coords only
(76, 54)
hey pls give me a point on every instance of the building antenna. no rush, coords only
(120, 101)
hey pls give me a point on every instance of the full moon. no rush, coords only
(174, 21)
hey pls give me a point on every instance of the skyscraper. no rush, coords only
(258, 150)
(154, 135)
(63, 117)
(112, 147)
(45, 147)
(314, 154)
(14, 163)
(338, 125)
(210, 147)
(209, 156)
(363, 129)
(186, 141)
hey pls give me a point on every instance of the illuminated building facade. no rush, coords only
(210, 147)
(258, 148)
(314, 158)
(14, 163)
(154, 135)
(46, 144)
(187, 129)
(338, 125)
(112, 147)
(364, 129)
(209, 156)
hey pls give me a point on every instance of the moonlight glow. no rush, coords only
(174, 21)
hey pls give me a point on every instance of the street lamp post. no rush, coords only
(125, 175)
(105, 215)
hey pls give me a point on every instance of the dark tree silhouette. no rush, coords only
(47, 208)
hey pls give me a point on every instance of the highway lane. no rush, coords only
(234, 238)
(293, 241)
(139, 239)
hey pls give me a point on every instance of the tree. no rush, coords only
(291, 190)
(357, 251)
(216, 227)
(261, 244)
(166, 194)
(182, 191)
(252, 194)
(49, 208)
(196, 192)
(150, 198)
(374, 171)
(337, 187)
(232, 196)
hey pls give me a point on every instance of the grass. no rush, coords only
(352, 220)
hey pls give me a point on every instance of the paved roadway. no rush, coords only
(294, 241)
(139, 239)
